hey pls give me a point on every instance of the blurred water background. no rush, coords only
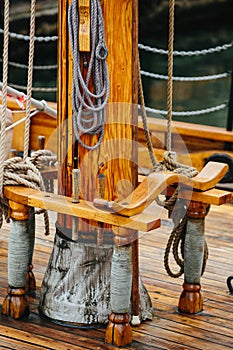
(202, 24)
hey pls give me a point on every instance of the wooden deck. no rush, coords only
(212, 329)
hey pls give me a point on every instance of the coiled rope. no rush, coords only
(89, 106)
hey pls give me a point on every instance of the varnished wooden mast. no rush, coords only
(117, 155)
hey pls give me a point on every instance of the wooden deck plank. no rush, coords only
(211, 329)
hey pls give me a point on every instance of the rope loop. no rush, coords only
(101, 52)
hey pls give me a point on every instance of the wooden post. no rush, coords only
(15, 304)
(119, 331)
(191, 300)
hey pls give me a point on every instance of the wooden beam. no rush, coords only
(157, 182)
(83, 209)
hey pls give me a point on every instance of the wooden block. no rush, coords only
(84, 25)
(212, 196)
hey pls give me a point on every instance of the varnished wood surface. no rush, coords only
(84, 209)
(210, 330)
(156, 182)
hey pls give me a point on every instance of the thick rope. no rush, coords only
(26, 172)
(29, 82)
(144, 117)
(170, 71)
(121, 279)
(4, 91)
(89, 106)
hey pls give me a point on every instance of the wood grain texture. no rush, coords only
(118, 152)
(83, 209)
(157, 182)
(211, 330)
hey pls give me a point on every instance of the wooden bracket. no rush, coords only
(84, 25)
(157, 182)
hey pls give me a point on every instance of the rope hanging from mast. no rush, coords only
(89, 103)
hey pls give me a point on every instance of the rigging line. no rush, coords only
(27, 37)
(140, 46)
(30, 77)
(4, 90)
(187, 53)
(25, 66)
(34, 89)
(22, 120)
(187, 113)
(200, 78)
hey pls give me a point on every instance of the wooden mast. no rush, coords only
(109, 171)
(117, 155)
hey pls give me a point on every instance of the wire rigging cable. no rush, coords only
(89, 106)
